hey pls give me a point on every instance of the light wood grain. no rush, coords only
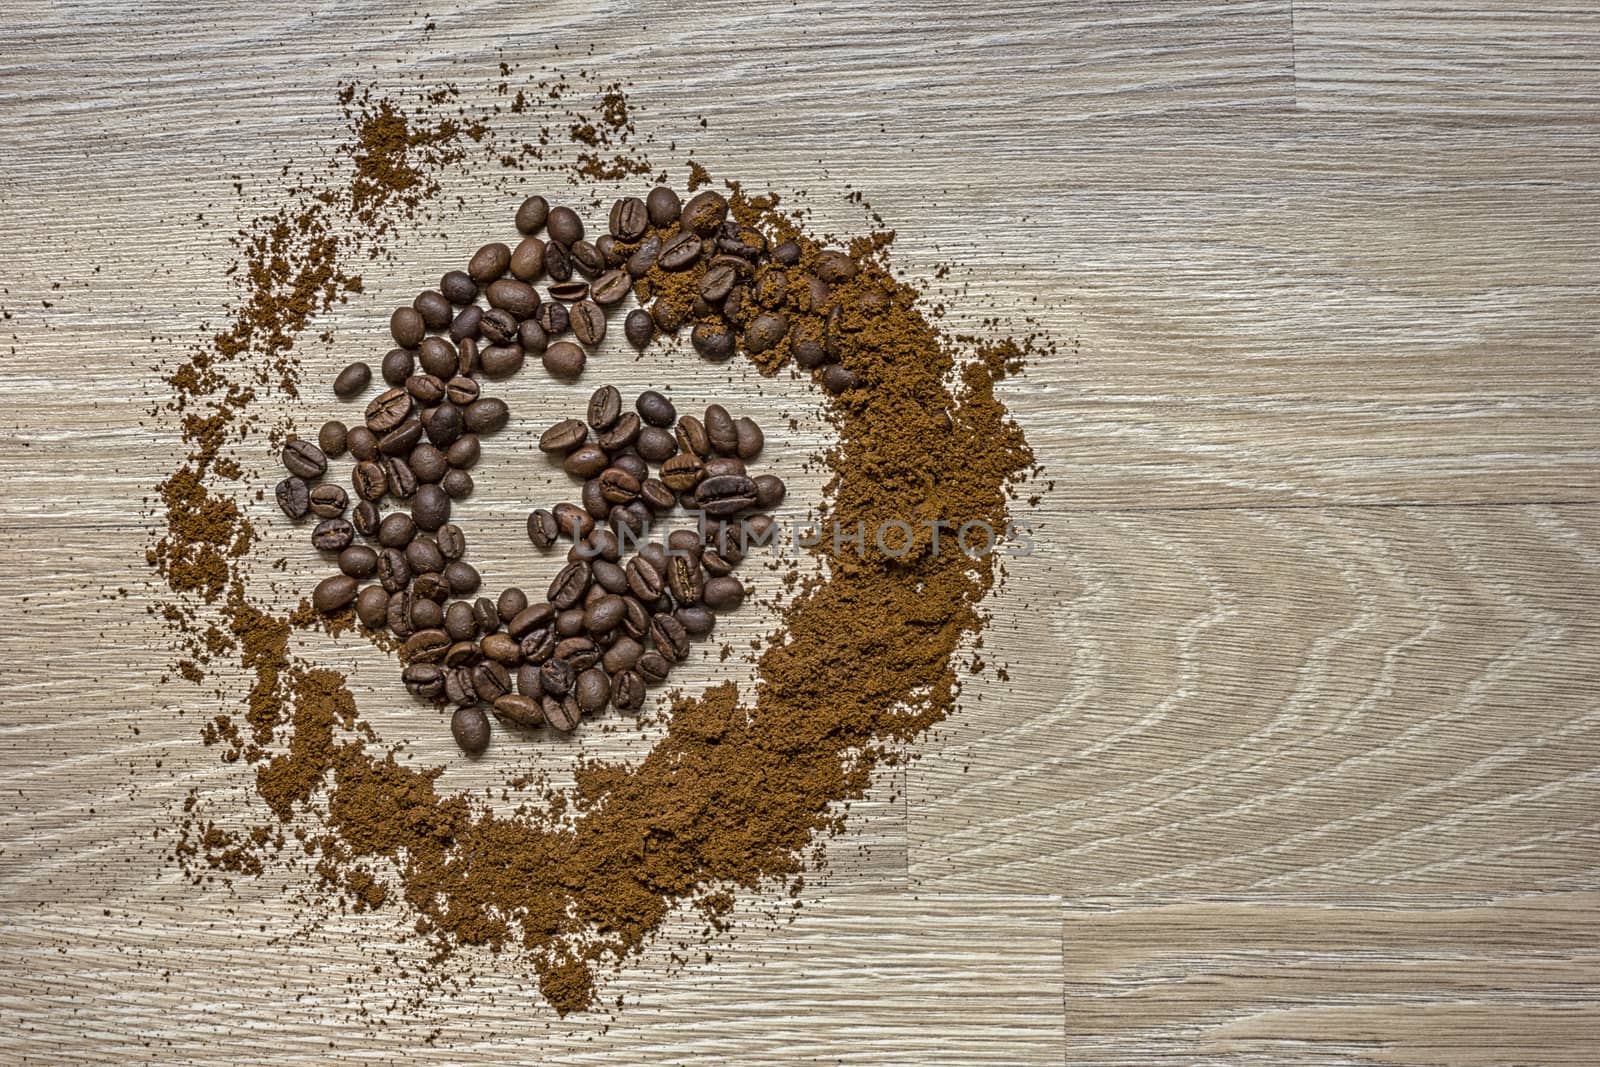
(1294, 758)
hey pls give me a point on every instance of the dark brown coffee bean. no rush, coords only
(656, 444)
(457, 484)
(352, 380)
(462, 577)
(459, 623)
(770, 491)
(564, 225)
(397, 615)
(459, 288)
(425, 680)
(372, 606)
(563, 437)
(724, 594)
(557, 264)
(426, 646)
(616, 485)
(532, 213)
(520, 710)
(838, 379)
(653, 667)
(528, 681)
(527, 260)
(588, 258)
(542, 528)
(489, 262)
(609, 576)
(400, 478)
(644, 257)
(680, 253)
(423, 555)
(328, 501)
(669, 637)
(691, 437)
(439, 358)
(491, 681)
(556, 677)
(721, 432)
(332, 535)
(427, 389)
(486, 414)
(663, 206)
(401, 439)
(631, 462)
(602, 545)
(685, 579)
(569, 585)
(594, 501)
(487, 616)
(725, 495)
(388, 410)
(564, 360)
(749, 440)
(434, 308)
(705, 212)
(586, 461)
(772, 288)
(611, 287)
(294, 497)
(834, 267)
(398, 365)
(655, 409)
(605, 404)
(464, 452)
(407, 327)
(623, 433)
(333, 438)
(575, 523)
(362, 442)
(529, 620)
(656, 496)
(787, 253)
(627, 690)
(458, 687)
(713, 341)
(629, 218)
(569, 623)
(668, 314)
(644, 579)
(333, 593)
(396, 530)
(426, 614)
(638, 328)
(696, 619)
(501, 361)
(303, 459)
(470, 727)
(765, 332)
(588, 322)
(569, 292)
(622, 655)
(365, 518)
(717, 282)
(430, 508)
(562, 713)
(467, 325)
(518, 298)
(578, 650)
(498, 326)
(593, 691)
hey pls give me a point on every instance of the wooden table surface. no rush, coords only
(1298, 761)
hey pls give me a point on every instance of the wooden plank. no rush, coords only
(1510, 982)
(1518, 60)
(1328, 702)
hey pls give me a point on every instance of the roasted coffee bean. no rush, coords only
(627, 690)
(662, 205)
(531, 617)
(636, 620)
(486, 414)
(463, 654)
(464, 452)
(556, 677)
(644, 579)
(467, 356)
(563, 437)
(629, 218)
(605, 405)
(578, 650)
(765, 331)
(605, 614)
(669, 637)
(787, 253)
(520, 710)
(393, 571)
(748, 438)
(387, 410)
(623, 433)
(725, 495)
(452, 543)
(838, 379)
(528, 681)
(644, 257)
(352, 380)
(463, 577)
(365, 518)
(426, 614)
(457, 484)
(509, 295)
(303, 459)
(717, 466)
(563, 713)
(467, 325)
(634, 517)
(616, 485)
(655, 553)
(427, 388)
(696, 619)
(680, 253)
(588, 258)
(575, 523)
(527, 260)
(398, 365)
(622, 655)
(656, 444)
(655, 409)
(638, 328)
(430, 585)
(293, 496)
(705, 212)
(593, 691)
(668, 315)
(717, 282)
(498, 326)
(427, 463)
(510, 603)
(532, 213)
(501, 361)
(396, 530)
(434, 309)
(489, 262)
(609, 576)
(491, 681)
(333, 438)
(721, 431)
(407, 327)
(397, 615)
(400, 478)
(401, 439)
(487, 615)
(685, 579)
(423, 555)
(771, 288)
(569, 292)
(611, 287)
(724, 594)
(610, 250)
(328, 500)
(653, 667)
(332, 535)
(692, 437)
(459, 623)
(568, 587)
(430, 507)
(564, 225)
(557, 263)
(333, 593)
(712, 340)
(542, 528)
(564, 360)
(458, 687)
(632, 462)
(426, 646)
(539, 644)
(586, 461)
(594, 501)
(372, 606)
(424, 679)
(834, 267)
(588, 322)
(470, 727)
(770, 491)
(458, 287)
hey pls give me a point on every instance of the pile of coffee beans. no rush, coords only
(612, 622)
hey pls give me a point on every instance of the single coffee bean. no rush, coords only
(430, 508)
(837, 379)
(457, 484)
(423, 555)
(510, 603)
(725, 495)
(586, 461)
(470, 727)
(532, 338)
(488, 616)
(458, 287)
(486, 414)
(458, 687)
(705, 212)
(527, 260)
(685, 579)
(663, 206)
(578, 650)
(605, 405)
(834, 267)
(303, 459)
(491, 681)
(593, 691)
(563, 713)
(697, 619)
(623, 433)
(629, 218)
(569, 292)
(656, 496)
(564, 360)
(333, 593)
(528, 681)
(426, 614)
(427, 463)
(396, 530)
(748, 438)
(717, 282)
(498, 325)
(365, 518)
(467, 325)
(564, 225)
(332, 535)
(611, 287)
(563, 437)
(680, 253)
(328, 500)
(401, 479)
(653, 667)
(655, 409)
(401, 439)
(434, 309)
(588, 322)
(720, 465)
(464, 452)
(426, 646)
(501, 361)
(721, 432)
(394, 573)
(556, 676)
(542, 528)
(787, 253)
(607, 575)
(557, 263)
(532, 617)
(463, 577)
(372, 606)
(724, 594)
(518, 298)
(293, 496)
(765, 332)
(713, 341)
(407, 327)
(616, 485)
(644, 579)
(770, 491)
(622, 655)
(594, 501)
(570, 584)
(489, 262)
(669, 637)
(388, 410)
(644, 257)
(425, 680)
(459, 623)
(638, 328)
(397, 616)
(333, 438)
(352, 380)
(575, 523)
(692, 436)
(627, 690)
(398, 365)
(587, 257)
(656, 444)
(531, 215)
(520, 710)
(427, 389)
(632, 462)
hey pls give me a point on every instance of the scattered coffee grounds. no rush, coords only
(741, 783)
